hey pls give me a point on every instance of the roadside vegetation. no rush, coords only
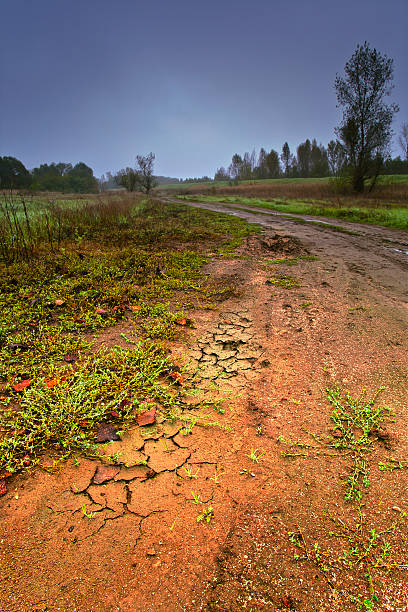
(386, 214)
(71, 268)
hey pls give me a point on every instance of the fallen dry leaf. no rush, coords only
(104, 473)
(51, 383)
(124, 404)
(22, 385)
(101, 311)
(59, 302)
(106, 433)
(69, 358)
(177, 377)
(147, 418)
(288, 602)
(181, 321)
(135, 308)
(113, 414)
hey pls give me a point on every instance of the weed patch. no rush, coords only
(90, 265)
(284, 281)
(357, 550)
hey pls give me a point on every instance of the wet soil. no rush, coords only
(95, 537)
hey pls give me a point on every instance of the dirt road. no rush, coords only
(378, 254)
(207, 523)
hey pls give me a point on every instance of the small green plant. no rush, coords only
(259, 430)
(189, 472)
(284, 281)
(254, 457)
(196, 497)
(356, 423)
(393, 464)
(363, 549)
(216, 476)
(88, 515)
(206, 515)
(114, 457)
(298, 443)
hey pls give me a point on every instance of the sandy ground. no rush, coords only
(270, 352)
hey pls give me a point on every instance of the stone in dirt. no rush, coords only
(104, 473)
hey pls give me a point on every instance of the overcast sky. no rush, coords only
(100, 81)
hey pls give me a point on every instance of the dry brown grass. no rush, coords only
(319, 190)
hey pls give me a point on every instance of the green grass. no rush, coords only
(392, 215)
(142, 268)
(64, 418)
(284, 281)
(382, 180)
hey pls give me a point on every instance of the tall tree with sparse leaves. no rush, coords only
(365, 130)
(403, 140)
(285, 157)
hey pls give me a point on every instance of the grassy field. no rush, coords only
(283, 181)
(69, 270)
(390, 189)
(383, 180)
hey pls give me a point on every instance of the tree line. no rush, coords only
(61, 177)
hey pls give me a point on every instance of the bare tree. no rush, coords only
(144, 172)
(140, 178)
(403, 140)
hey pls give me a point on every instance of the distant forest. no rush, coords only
(61, 177)
(309, 160)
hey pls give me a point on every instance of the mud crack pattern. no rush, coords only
(229, 350)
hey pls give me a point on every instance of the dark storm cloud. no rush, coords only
(100, 81)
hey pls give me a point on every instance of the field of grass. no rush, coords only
(67, 271)
(383, 180)
(388, 189)
(283, 181)
(391, 215)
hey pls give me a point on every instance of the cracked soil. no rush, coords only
(97, 537)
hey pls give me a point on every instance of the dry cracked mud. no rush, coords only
(98, 537)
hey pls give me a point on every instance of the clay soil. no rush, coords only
(270, 352)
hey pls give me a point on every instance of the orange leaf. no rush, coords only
(3, 488)
(147, 418)
(177, 377)
(135, 308)
(59, 302)
(51, 383)
(22, 385)
(113, 414)
(181, 321)
(101, 311)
